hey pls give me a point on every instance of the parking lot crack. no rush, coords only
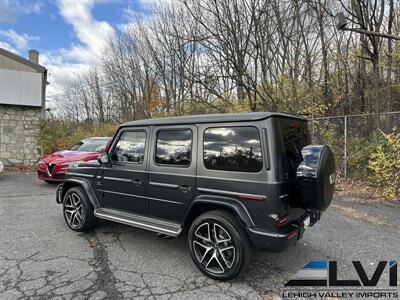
(105, 280)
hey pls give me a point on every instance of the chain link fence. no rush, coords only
(353, 138)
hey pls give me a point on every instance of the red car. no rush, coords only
(51, 167)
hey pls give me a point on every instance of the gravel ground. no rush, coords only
(41, 258)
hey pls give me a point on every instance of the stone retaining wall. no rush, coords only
(19, 127)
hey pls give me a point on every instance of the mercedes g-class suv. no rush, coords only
(231, 182)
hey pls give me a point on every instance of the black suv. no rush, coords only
(231, 182)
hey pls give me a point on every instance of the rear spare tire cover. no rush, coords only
(316, 177)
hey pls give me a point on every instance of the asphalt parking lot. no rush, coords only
(41, 258)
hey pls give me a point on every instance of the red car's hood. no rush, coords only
(67, 156)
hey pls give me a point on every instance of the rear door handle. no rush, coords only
(184, 188)
(137, 182)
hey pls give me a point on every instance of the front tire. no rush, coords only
(77, 210)
(218, 245)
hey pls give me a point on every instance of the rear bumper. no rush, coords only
(278, 241)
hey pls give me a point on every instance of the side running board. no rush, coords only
(168, 228)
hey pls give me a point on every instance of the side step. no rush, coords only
(164, 227)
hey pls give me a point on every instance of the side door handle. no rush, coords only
(137, 182)
(184, 188)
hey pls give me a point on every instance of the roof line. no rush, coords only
(209, 118)
(22, 60)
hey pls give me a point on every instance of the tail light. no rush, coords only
(281, 221)
(292, 235)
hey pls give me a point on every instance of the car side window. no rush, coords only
(174, 147)
(235, 149)
(76, 146)
(130, 147)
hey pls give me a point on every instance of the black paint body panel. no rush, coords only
(175, 193)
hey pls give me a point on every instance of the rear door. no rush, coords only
(124, 179)
(295, 136)
(172, 171)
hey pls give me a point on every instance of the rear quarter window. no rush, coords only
(236, 149)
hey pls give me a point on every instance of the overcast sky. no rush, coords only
(69, 34)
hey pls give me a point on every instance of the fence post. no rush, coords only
(345, 148)
(312, 127)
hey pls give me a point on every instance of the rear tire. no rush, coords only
(78, 211)
(219, 245)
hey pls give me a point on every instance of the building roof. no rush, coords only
(212, 118)
(22, 60)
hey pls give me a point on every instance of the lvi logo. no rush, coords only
(324, 273)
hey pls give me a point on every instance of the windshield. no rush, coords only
(90, 145)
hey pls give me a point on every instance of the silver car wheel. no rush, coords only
(214, 248)
(73, 210)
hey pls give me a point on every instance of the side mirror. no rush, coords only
(103, 159)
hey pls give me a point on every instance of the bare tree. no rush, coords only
(243, 55)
